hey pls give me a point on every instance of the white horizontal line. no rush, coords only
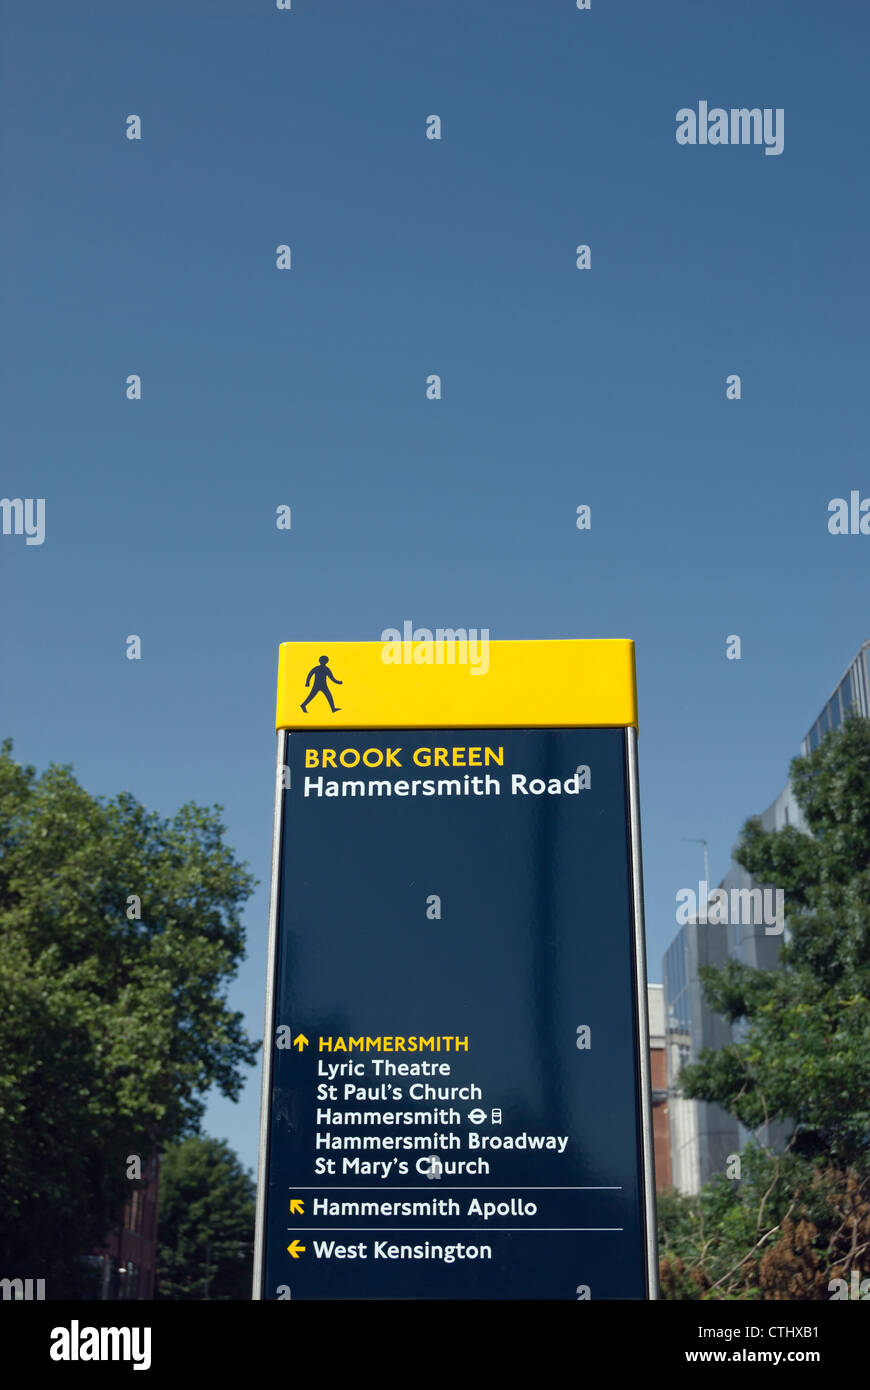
(474, 1230)
(512, 1187)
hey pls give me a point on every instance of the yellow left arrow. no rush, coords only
(296, 1249)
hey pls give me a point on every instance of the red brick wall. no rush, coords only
(135, 1242)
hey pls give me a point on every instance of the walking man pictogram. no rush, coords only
(320, 673)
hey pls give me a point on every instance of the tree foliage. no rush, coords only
(798, 1219)
(806, 1056)
(788, 1228)
(111, 1029)
(205, 1222)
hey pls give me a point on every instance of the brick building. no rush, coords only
(128, 1261)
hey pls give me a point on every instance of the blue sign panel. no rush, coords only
(457, 1074)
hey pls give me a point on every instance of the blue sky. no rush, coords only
(307, 387)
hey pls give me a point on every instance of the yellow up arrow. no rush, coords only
(296, 1249)
(300, 1041)
(296, 1207)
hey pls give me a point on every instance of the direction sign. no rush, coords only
(456, 1099)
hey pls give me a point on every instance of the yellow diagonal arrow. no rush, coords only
(296, 1249)
(300, 1041)
(296, 1207)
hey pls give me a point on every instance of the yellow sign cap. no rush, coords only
(456, 683)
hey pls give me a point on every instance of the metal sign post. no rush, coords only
(456, 1096)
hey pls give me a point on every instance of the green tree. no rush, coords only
(205, 1222)
(804, 1060)
(785, 1230)
(113, 1026)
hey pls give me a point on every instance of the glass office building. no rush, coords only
(853, 692)
(703, 1135)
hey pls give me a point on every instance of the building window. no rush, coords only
(854, 702)
(129, 1281)
(134, 1221)
(859, 687)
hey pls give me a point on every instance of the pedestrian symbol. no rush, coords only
(321, 674)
